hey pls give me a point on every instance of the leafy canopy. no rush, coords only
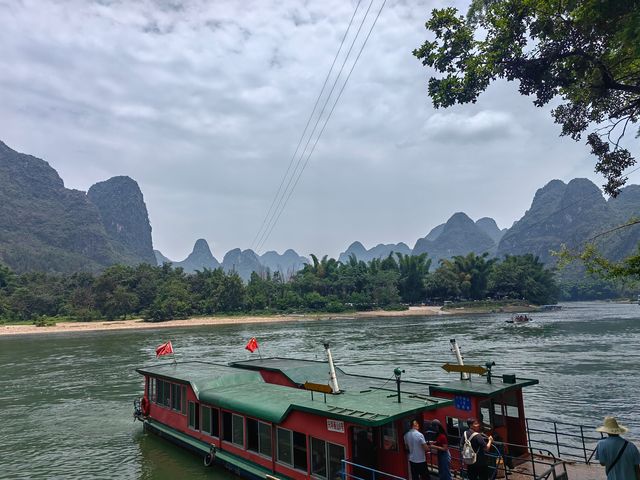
(585, 52)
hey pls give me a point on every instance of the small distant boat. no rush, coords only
(519, 318)
(546, 308)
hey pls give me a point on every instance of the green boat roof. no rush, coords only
(480, 387)
(243, 390)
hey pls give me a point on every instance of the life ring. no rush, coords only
(210, 457)
(144, 406)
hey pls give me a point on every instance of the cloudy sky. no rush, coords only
(203, 103)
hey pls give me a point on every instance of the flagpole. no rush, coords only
(259, 352)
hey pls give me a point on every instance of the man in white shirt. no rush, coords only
(416, 445)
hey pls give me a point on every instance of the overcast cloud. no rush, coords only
(203, 103)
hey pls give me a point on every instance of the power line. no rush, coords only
(328, 116)
(253, 243)
(281, 201)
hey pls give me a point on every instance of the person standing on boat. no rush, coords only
(417, 447)
(441, 444)
(620, 457)
(481, 445)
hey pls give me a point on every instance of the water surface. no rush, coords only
(66, 399)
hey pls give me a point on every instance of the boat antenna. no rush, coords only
(333, 380)
(456, 351)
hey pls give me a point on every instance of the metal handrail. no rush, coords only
(346, 475)
(576, 444)
(532, 460)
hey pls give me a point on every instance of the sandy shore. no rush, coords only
(199, 321)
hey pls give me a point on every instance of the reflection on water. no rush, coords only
(66, 399)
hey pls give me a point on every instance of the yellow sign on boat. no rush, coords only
(318, 387)
(452, 367)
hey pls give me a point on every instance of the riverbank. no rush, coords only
(140, 324)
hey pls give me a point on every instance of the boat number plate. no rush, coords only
(335, 426)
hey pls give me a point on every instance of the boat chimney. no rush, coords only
(456, 351)
(333, 380)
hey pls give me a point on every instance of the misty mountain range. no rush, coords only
(47, 227)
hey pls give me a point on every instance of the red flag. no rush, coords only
(252, 345)
(164, 349)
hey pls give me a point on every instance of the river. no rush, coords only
(66, 399)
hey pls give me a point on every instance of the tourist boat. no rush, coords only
(282, 418)
(519, 318)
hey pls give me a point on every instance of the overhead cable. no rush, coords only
(304, 132)
(304, 165)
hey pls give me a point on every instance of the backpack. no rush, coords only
(469, 455)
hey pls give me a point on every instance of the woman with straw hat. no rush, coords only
(620, 457)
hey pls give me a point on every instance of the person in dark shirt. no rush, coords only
(481, 445)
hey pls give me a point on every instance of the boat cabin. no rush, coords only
(277, 417)
(498, 405)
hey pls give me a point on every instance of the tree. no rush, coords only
(597, 264)
(413, 270)
(523, 276)
(473, 272)
(444, 283)
(587, 53)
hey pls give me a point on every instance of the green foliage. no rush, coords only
(413, 270)
(584, 53)
(44, 321)
(165, 293)
(523, 276)
(603, 278)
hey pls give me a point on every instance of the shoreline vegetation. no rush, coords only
(141, 324)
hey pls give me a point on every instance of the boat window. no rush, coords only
(284, 446)
(159, 391)
(326, 457)
(238, 430)
(183, 408)
(389, 437)
(264, 432)
(176, 397)
(510, 400)
(300, 451)
(498, 414)
(486, 415)
(226, 426)
(455, 428)
(259, 437)
(163, 393)
(215, 422)
(152, 389)
(292, 448)
(318, 458)
(194, 416)
(336, 455)
(205, 415)
(233, 428)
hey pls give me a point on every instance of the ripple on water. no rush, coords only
(66, 400)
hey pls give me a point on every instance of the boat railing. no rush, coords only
(568, 441)
(360, 472)
(537, 464)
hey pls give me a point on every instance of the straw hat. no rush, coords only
(611, 426)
